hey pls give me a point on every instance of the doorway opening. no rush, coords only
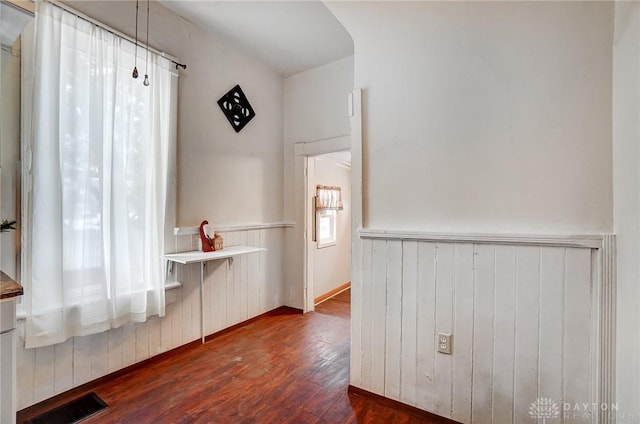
(328, 227)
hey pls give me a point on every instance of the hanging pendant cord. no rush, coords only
(136, 29)
(146, 66)
(135, 57)
(147, 58)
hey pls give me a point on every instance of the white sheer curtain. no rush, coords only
(96, 179)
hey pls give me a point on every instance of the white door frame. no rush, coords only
(309, 150)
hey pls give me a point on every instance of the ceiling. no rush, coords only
(288, 36)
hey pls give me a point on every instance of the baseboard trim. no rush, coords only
(282, 310)
(59, 399)
(332, 293)
(399, 406)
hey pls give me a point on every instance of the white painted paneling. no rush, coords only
(362, 316)
(409, 322)
(378, 318)
(527, 330)
(250, 286)
(174, 317)
(483, 331)
(444, 301)
(63, 366)
(215, 294)
(521, 318)
(393, 354)
(154, 336)
(275, 291)
(463, 309)
(426, 313)
(579, 318)
(191, 302)
(550, 364)
(114, 348)
(44, 376)
(504, 339)
(253, 275)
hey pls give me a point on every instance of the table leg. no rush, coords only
(202, 300)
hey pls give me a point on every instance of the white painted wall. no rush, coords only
(225, 177)
(332, 264)
(315, 108)
(9, 147)
(316, 102)
(626, 186)
(485, 116)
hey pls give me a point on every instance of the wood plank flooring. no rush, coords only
(339, 305)
(283, 368)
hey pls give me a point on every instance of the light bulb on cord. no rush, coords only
(135, 55)
(146, 80)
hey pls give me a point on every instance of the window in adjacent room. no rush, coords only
(326, 231)
(328, 202)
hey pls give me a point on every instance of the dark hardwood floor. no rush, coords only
(339, 305)
(280, 368)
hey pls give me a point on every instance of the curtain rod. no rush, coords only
(111, 30)
(116, 32)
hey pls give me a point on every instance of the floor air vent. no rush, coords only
(71, 412)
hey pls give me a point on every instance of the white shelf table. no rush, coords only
(197, 256)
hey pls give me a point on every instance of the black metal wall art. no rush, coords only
(236, 108)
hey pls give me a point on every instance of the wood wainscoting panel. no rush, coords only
(522, 318)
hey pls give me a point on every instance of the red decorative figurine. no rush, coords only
(207, 240)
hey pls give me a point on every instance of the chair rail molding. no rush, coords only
(592, 241)
(188, 231)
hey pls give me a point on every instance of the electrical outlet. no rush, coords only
(445, 343)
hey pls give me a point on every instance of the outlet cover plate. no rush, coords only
(445, 343)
